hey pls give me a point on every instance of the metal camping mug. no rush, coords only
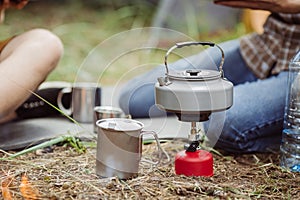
(119, 147)
(85, 96)
(104, 112)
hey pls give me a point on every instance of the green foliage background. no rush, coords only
(82, 25)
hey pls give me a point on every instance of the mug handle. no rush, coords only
(59, 101)
(160, 150)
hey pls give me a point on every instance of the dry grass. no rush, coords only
(63, 173)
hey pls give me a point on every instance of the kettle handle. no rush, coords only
(184, 44)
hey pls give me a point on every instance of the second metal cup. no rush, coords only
(85, 96)
(104, 112)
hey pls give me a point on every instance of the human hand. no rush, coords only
(282, 6)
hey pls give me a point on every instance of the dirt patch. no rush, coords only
(60, 172)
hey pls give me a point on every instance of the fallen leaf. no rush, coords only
(6, 194)
(27, 190)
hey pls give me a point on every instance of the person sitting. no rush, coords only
(257, 66)
(25, 62)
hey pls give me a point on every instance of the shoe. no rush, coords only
(34, 107)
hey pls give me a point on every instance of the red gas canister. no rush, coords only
(197, 163)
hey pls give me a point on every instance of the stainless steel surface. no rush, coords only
(104, 112)
(119, 147)
(85, 96)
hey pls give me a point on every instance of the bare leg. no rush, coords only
(25, 63)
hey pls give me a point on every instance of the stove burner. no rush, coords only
(198, 117)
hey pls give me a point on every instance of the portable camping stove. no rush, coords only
(193, 95)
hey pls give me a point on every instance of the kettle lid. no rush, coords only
(194, 74)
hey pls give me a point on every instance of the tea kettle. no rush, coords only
(193, 94)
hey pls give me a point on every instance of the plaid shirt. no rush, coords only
(270, 52)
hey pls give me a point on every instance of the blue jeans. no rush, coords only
(254, 122)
